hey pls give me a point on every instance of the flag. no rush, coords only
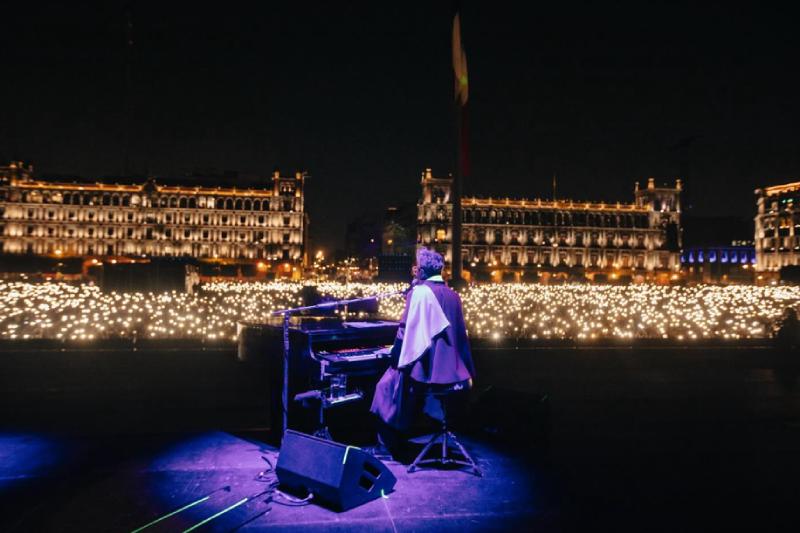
(459, 64)
(461, 95)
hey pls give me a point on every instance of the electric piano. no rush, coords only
(331, 363)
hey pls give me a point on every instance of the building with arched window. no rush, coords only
(62, 219)
(777, 227)
(522, 238)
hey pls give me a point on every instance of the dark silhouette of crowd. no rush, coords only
(787, 332)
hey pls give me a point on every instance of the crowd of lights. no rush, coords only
(495, 311)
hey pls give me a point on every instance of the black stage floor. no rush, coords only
(121, 484)
(646, 439)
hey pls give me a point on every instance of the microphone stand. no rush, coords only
(286, 314)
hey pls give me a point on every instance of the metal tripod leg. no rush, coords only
(469, 460)
(424, 452)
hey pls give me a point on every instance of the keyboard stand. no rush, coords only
(325, 403)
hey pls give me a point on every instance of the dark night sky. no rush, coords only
(360, 95)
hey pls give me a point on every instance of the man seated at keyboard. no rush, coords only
(431, 348)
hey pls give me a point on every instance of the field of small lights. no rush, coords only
(67, 312)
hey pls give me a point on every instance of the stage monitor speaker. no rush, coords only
(340, 477)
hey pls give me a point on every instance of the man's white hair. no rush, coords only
(429, 263)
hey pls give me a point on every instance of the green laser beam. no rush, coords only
(346, 451)
(216, 515)
(176, 511)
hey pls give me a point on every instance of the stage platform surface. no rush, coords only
(124, 483)
(664, 439)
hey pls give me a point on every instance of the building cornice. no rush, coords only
(162, 189)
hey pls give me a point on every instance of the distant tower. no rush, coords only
(664, 204)
(435, 213)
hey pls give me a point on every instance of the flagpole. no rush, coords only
(461, 98)
(458, 178)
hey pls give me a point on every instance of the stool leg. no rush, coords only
(466, 455)
(424, 451)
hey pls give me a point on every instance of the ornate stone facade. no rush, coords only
(519, 239)
(150, 219)
(777, 227)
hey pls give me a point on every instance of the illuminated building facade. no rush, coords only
(505, 239)
(150, 219)
(777, 227)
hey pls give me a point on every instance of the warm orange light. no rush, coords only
(139, 188)
(556, 204)
(261, 266)
(780, 189)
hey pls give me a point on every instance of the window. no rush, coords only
(285, 237)
(187, 233)
(110, 232)
(130, 232)
(441, 234)
(110, 216)
(285, 221)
